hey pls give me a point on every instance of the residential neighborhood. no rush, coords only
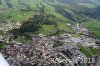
(54, 50)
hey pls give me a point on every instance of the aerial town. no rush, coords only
(56, 50)
(49, 32)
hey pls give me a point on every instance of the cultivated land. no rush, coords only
(94, 27)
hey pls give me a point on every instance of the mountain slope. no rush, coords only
(30, 7)
(58, 11)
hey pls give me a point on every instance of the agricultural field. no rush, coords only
(88, 52)
(47, 29)
(94, 27)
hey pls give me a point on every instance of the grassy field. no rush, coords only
(63, 26)
(47, 29)
(15, 15)
(96, 33)
(22, 39)
(87, 51)
(94, 27)
(94, 51)
(51, 29)
(76, 35)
